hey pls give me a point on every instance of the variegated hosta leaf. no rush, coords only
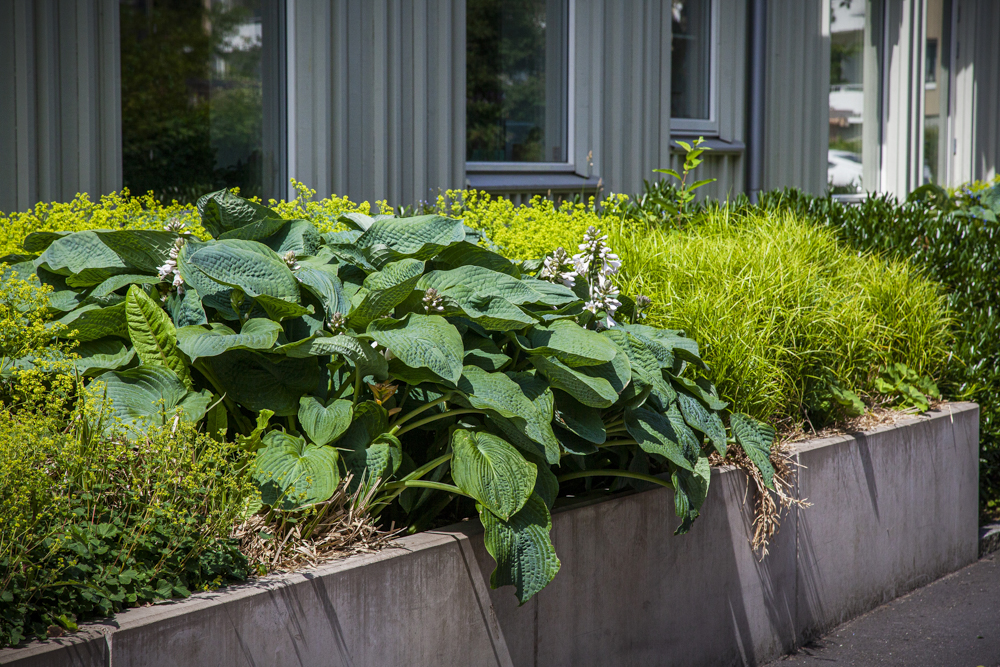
(420, 342)
(212, 340)
(324, 423)
(492, 471)
(293, 473)
(149, 396)
(568, 342)
(755, 438)
(153, 335)
(522, 548)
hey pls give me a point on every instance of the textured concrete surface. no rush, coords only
(892, 510)
(953, 622)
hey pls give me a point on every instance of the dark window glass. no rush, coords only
(516, 80)
(690, 59)
(846, 99)
(192, 109)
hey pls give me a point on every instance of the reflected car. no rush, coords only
(843, 170)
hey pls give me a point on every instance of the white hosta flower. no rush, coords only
(289, 258)
(559, 267)
(174, 225)
(433, 302)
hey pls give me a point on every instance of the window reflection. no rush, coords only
(690, 54)
(192, 108)
(847, 30)
(516, 80)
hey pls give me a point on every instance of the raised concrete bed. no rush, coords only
(892, 509)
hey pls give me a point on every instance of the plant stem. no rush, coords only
(428, 420)
(614, 473)
(357, 386)
(241, 422)
(419, 472)
(425, 484)
(341, 389)
(619, 443)
(422, 408)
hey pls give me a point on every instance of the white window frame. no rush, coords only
(709, 126)
(550, 167)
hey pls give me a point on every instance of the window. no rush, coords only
(192, 96)
(847, 31)
(517, 82)
(692, 66)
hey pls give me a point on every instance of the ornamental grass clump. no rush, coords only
(783, 310)
(401, 356)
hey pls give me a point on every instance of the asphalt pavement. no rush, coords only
(952, 622)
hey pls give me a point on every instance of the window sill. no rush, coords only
(715, 145)
(540, 182)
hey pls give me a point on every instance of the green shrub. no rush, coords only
(954, 239)
(782, 309)
(395, 350)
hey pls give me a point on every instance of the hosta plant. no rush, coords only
(399, 351)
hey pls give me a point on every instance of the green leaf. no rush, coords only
(420, 341)
(115, 283)
(385, 290)
(298, 236)
(655, 434)
(153, 335)
(756, 439)
(362, 356)
(568, 342)
(420, 237)
(211, 340)
(217, 420)
(492, 471)
(706, 398)
(186, 309)
(483, 352)
(83, 257)
(485, 282)
(708, 422)
(580, 419)
(380, 459)
(256, 231)
(91, 322)
(690, 492)
(292, 473)
(324, 423)
(142, 250)
(257, 381)
(280, 309)
(39, 241)
(150, 396)
(326, 286)
(595, 392)
(222, 211)
(103, 354)
(522, 548)
(470, 254)
(250, 266)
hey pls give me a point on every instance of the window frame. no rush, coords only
(703, 126)
(547, 167)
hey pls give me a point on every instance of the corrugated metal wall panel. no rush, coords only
(797, 96)
(380, 97)
(62, 105)
(976, 152)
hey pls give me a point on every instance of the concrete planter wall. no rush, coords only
(892, 509)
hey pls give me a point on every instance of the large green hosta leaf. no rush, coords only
(577, 418)
(690, 492)
(386, 289)
(104, 354)
(115, 283)
(472, 254)
(222, 211)
(420, 237)
(186, 309)
(360, 353)
(485, 282)
(83, 257)
(755, 438)
(153, 335)
(142, 250)
(91, 322)
(324, 423)
(379, 458)
(211, 340)
(490, 470)
(522, 548)
(420, 342)
(708, 422)
(595, 392)
(298, 236)
(655, 434)
(483, 352)
(264, 382)
(293, 473)
(250, 266)
(568, 342)
(150, 396)
(322, 281)
(490, 312)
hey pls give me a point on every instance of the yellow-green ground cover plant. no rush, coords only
(91, 521)
(400, 352)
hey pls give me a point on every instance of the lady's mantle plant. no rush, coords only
(400, 351)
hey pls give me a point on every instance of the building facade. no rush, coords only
(397, 99)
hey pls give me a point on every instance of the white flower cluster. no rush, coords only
(432, 301)
(558, 267)
(175, 225)
(595, 263)
(168, 272)
(290, 260)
